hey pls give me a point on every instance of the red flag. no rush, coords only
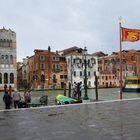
(131, 35)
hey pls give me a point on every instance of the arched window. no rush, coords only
(43, 78)
(10, 43)
(2, 59)
(0, 78)
(0, 42)
(6, 59)
(5, 78)
(11, 78)
(11, 59)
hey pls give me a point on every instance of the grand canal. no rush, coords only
(103, 95)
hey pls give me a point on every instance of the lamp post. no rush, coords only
(86, 64)
(85, 74)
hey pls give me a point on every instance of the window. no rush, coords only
(42, 57)
(53, 58)
(54, 78)
(73, 61)
(10, 43)
(6, 59)
(2, 59)
(36, 66)
(43, 78)
(132, 58)
(11, 59)
(11, 78)
(0, 78)
(65, 76)
(80, 73)
(89, 83)
(42, 66)
(57, 58)
(88, 73)
(61, 76)
(74, 73)
(5, 78)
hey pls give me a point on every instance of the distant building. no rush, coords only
(132, 62)
(76, 70)
(47, 69)
(8, 58)
(109, 67)
(75, 66)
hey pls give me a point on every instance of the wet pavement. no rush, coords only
(112, 120)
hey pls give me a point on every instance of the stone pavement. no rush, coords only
(112, 120)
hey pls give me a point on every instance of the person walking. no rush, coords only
(74, 90)
(27, 97)
(7, 98)
(16, 98)
(11, 94)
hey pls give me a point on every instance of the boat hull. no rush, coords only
(131, 90)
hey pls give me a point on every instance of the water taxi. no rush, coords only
(132, 84)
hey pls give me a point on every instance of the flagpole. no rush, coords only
(120, 61)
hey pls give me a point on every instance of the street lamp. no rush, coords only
(85, 73)
(84, 63)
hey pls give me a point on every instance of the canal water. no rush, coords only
(103, 95)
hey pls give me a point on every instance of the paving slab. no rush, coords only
(112, 120)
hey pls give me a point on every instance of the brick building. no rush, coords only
(47, 69)
(132, 62)
(109, 67)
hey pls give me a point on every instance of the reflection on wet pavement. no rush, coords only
(118, 120)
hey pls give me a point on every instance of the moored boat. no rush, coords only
(61, 99)
(132, 84)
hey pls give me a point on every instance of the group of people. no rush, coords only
(12, 98)
(77, 90)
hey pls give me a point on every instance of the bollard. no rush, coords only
(69, 89)
(96, 86)
(64, 89)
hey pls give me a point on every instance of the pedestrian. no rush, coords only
(27, 97)
(11, 94)
(81, 88)
(75, 90)
(16, 98)
(7, 98)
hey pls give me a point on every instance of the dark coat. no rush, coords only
(7, 98)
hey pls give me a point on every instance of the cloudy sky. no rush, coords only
(66, 23)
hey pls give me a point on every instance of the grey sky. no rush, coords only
(66, 23)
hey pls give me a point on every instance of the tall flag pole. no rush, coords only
(130, 35)
(120, 59)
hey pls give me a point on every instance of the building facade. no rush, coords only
(76, 68)
(47, 69)
(109, 67)
(132, 62)
(8, 58)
